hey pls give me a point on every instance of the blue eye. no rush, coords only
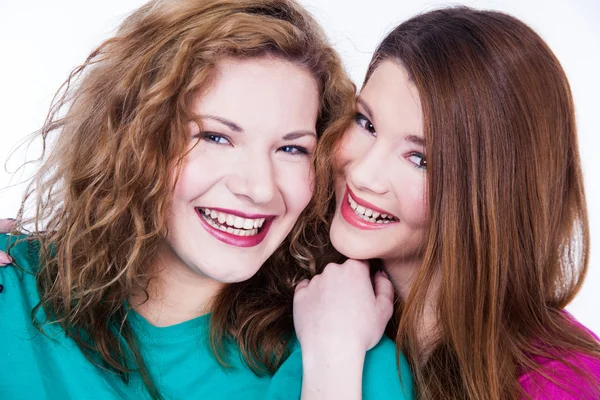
(419, 160)
(365, 123)
(294, 150)
(215, 138)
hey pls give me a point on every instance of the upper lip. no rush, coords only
(239, 213)
(366, 204)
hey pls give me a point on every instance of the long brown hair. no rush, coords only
(509, 237)
(101, 196)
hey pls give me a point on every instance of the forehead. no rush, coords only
(393, 98)
(262, 92)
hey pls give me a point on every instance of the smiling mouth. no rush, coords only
(232, 224)
(367, 214)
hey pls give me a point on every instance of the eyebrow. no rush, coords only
(299, 134)
(419, 140)
(366, 107)
(236, 128)
(231, 125)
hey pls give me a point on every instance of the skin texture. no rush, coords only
(258, 171)
(381, 159)
(254, 171)
(339, 301)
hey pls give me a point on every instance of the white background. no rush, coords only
(41, 41)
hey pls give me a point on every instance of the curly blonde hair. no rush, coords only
(101, 196)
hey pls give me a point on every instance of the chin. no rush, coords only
(352, 248)
(234, 274)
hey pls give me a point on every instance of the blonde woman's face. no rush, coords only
(250, 175)
(381, 183)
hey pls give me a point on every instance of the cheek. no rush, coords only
(419, 203)
(185, 184)
(296, 183)
(412, 194)
(348, 148)
(193, 179)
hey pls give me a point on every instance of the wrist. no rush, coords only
(333, 352)
(332, 373)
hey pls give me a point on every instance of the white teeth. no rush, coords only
(238, 222)
(232, 223)
(230, 220)
(368, 214)
(353, 204)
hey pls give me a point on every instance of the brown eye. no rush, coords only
(419, 160)
(365, 123)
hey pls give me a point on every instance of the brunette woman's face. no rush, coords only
(248, 174)
(380, 185)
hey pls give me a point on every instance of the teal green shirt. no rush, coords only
(51, 366)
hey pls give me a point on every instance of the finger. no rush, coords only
(384, 294)
(7, 225)
(361, 266)
(331, 268)
(5, 259)
(301, 285)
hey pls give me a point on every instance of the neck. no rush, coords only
(403, 274)
(176, 293)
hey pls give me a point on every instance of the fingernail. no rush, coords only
(384, 273)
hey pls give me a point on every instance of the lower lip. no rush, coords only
(350, 216)
(235, 240)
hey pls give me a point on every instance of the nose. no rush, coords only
(368, 171)
(254, 179)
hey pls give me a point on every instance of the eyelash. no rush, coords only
(423, 160)
(299, 150)
(214, 138)
(364, 122)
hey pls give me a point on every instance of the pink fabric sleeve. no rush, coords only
(571, 385)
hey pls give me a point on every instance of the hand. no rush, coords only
(338, 316)
(6, 226)
(341, 307)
